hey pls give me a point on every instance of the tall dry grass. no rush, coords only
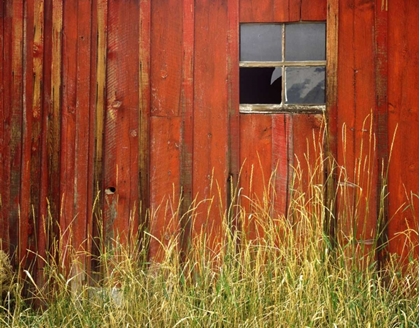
(294, 275)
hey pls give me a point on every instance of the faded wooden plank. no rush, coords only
(30, 218)
(166, 83)
(255, 179)
(307, 178)
(122, 121)
(144, 102)
(331, 118)
(269, 11)
(187, 103)
(164, 185)
(83, 198)
(4, 223)
(68, 131)
(14, 128)
(210, 151)
(403, 102)
(165, 57)
(381, 118)
(44, 229)
(54, 122)
(356, 98)
(313, 10)
(233, 110)
(281, 163)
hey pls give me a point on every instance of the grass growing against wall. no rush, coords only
(290, 277)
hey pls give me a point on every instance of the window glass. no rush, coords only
(261, 42)
(305, 41)
(282, 65)
(305, 85)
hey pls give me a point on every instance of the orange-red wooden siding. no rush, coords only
(128, 111)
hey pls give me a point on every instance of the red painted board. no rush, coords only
(187, 107)
(68, 131)
(356, 97)
(122, 122)
(403, 105)
(165, 189)
(306, 207)
(313, 10)
(30, 218)
(210, 150)
(14, 119)
(256, 172)
(4, 224)
(269, 11)
(281, 162)
(166, 56)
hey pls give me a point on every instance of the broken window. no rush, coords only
(282, 67)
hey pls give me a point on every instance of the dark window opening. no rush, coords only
(260, 85)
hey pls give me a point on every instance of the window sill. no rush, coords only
(278, 109)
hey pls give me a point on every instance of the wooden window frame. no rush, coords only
(282, 107)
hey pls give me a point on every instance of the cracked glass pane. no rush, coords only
(305, 85)
(305, 41)
(261, 42)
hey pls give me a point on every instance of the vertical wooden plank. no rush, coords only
(356, 98)
(256, 158)
(4, 224)
(122, 121)
(30, 219)
(210, 151)
(44, 228)
(281, 163)
(68, 131)
(233, 110)
(14, 126)
(166, 55)
(381, 119)
(165, 191)
(82, 202)
(144, 101)
(54, 122)
(307, 178)
(98, 103)
(187, 106)
(331, 118)
(313, 10)
(166, 84)
(403, 102)
(269, 11)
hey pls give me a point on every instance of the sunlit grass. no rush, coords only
(291, 275)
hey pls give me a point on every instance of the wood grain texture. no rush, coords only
(210, 150)
(256, 158)
(313, 10)
(166, 57)
(269, 11)
(4, 223)
(403, 101)
(122, 121)
(187, 112)
(15, 115)
(165, 187)
(356, 101)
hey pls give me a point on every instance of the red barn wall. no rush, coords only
(118, 107)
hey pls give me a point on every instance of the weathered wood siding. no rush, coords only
(112, 108)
